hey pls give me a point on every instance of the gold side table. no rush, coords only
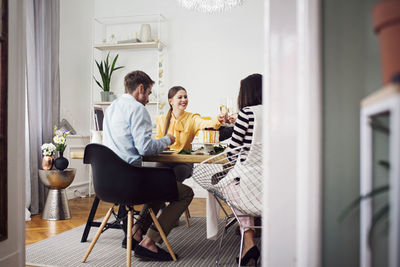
(56, 207)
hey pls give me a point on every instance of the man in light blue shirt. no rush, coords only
(127, 128)
(127, 131)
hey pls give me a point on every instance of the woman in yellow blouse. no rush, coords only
(183, 125)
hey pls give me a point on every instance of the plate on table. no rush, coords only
(168, 152)
(199, 143)
(207, 147)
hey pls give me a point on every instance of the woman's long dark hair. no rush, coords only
(250, 93)
(171, 93)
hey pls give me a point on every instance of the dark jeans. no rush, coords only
(182, 170)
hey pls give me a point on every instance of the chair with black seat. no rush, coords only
(115, 181)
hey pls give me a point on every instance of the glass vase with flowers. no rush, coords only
(60, 140)
(47, 151)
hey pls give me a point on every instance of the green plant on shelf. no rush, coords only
(106, 71)
(378, 216)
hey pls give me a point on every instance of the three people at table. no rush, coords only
(127, 131)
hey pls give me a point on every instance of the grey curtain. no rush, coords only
(43, 86)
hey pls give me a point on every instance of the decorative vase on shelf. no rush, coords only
(145, 33)
(47, 162)
(61, 163)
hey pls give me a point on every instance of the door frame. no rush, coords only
(3, 118)
(293, 137)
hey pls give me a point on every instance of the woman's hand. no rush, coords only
(232, 118)
(222, 118)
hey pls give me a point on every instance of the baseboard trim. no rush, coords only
(11, 260)
(78, 190)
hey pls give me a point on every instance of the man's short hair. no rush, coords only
(134, 79)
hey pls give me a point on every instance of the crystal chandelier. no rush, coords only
(210, 6)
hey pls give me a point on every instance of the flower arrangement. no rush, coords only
(48, 149)
(60, 139)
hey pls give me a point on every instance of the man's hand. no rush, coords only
(172, 138)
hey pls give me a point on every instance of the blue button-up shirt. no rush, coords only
(127, 130)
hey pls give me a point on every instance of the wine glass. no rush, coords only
(223, 109)
(231, 107)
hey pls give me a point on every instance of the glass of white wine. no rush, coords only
(230, 104)
(231, 108)
(223, 109)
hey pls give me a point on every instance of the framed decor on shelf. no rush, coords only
(3, 117)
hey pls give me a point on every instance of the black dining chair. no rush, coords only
(115, 181)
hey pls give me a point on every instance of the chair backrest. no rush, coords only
(117, 181)
(236, 178)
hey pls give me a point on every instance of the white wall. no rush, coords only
(207, 54)
(75, 62)
(12, 250)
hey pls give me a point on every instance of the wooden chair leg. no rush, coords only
(187, 216)
(188, 212)
(129, 239)
(163, 236)
(98, 234)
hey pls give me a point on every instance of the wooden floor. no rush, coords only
(38, 229)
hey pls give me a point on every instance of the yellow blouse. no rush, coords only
(184, 128)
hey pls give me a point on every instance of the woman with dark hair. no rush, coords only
(247, 130)
(250, 97)
(184, 126)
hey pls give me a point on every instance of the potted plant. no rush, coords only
(47, 151)
(386, 19)
(106, 71)
(383, 212)
(60, 139)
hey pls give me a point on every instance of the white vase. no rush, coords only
(145, 33)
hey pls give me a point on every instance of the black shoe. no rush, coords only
(252, 254)
(145, 254)
(134, 243)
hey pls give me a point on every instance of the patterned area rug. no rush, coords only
(191, 244)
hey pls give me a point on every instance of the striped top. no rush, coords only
(242, 131)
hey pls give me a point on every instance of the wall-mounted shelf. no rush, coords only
(109, 103)
(138, 45)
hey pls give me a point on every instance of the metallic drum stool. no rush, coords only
(56, 207)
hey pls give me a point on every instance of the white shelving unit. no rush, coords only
(121, 35)
(383, 101)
